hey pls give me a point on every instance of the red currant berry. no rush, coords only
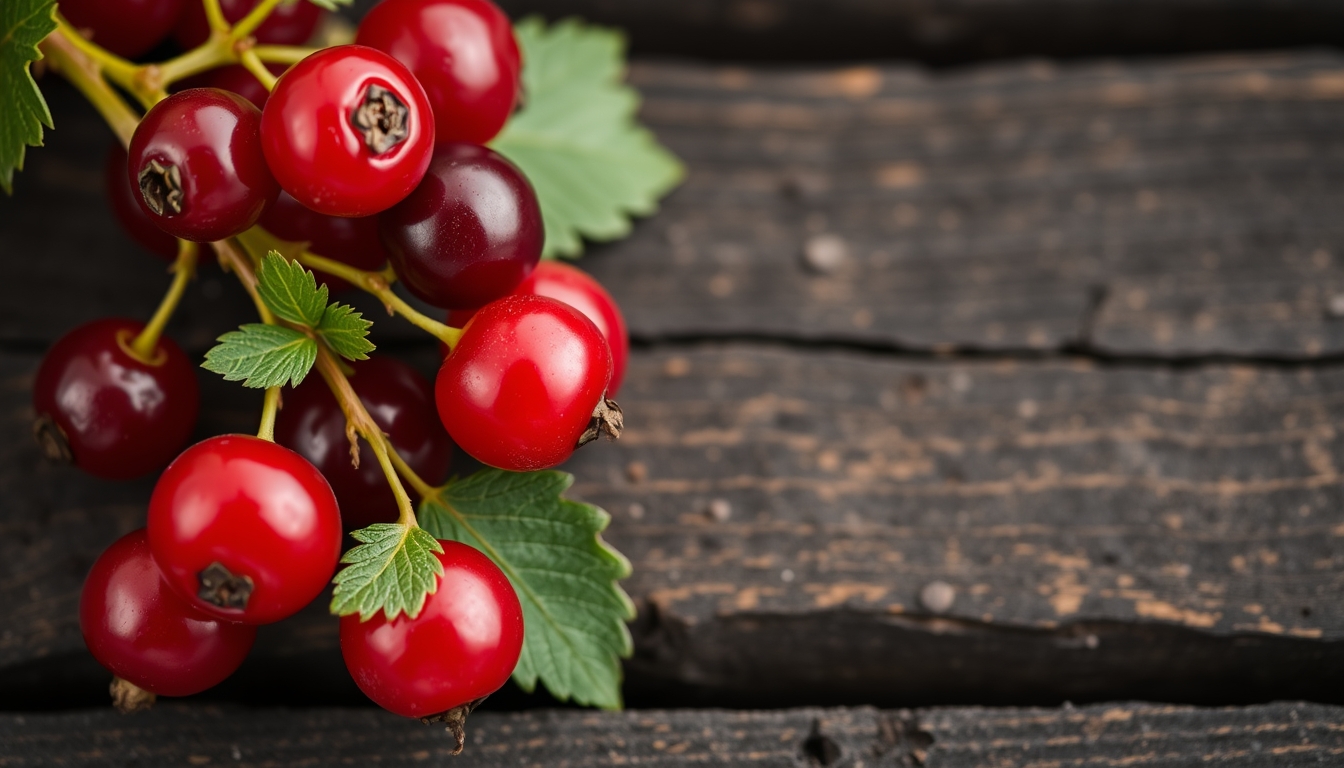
(526, 384)
(244, 529)
(142, 632)
(348, 131)
(462, 51)
(121, 196)
(349, 241)
(401, 402)
(114, 415)
(462, 646)
(291, 23)
(127, 28)
(567, 283)
(469, 233)
(196, 159)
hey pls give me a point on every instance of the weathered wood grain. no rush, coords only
(1174, 208)
(1104, 532)
(1282, 734)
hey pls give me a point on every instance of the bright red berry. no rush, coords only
(291, 23)
(526, 384)
(142, 632)
(400, 401)
(127, 28)
(567, 283)
(462, 646)
(352, 241)
(196, 158)
(244, 529)
(462, 51)
(123, 199)
(111, 413)
(469, 233)
(348, 131)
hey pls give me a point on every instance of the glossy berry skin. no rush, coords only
(127, 28)
(121, 417)
(567, 283)
(196, 158)
(349, 241)
(469, 234)
(142, 632)
(256, 508)
(121, 197)
(463, 645)
(462, 51)
(401, 402)
(291, 23)
(521, 386)
(314, 142)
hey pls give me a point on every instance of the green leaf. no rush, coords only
(574, 613)
(23, 111)
(262, 356)
(291, 291)
(392, 571)
(576, 137)
(346, 331)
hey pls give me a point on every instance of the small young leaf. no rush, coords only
(346, 331)
(576, 138)
(262, 356)
(291, 291)
(23, 24)
(392, 571)
(574, 613)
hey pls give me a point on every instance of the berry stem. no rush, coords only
(231, 257)
(422, 488)
(252, 20)
(214, 16)
(184, 269)
(358, 421)
(117, 69)
(253, 64)
(83, 72)
(283, 54)
(270, 406)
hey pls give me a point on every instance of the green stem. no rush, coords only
(214, 16)
(117, 69)
(269, 407)
(83, 73)
(423, 489)
(283, 54)
(253, 64)
(232, 257)
(184, 269)
(252, 20)
(216, 51)
(377, 283)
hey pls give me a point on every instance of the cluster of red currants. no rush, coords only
(370, 153)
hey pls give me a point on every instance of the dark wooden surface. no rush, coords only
(1283, 734)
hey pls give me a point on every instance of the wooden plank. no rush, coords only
(949, 31)
(1102, 532)
(1175, 208)
(1288, 733)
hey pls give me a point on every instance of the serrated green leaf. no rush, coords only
(262, 356)
(576, 137)
(23, 24)
(346, 331)
(291, 291)
(574, 613)
(392, 571)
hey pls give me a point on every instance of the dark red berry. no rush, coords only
(244, 529)
(291, 23)
(462, 646)
(112, 414)
(142, 632)
(196, 158)
(352, 241)
(566, 282)
(348, 131)
(462, 51)
(122, 197)
(127, 28)
(526, 384)
(469, 233)
(400, 401)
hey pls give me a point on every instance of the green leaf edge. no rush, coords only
(345, 602)
(44, 118)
